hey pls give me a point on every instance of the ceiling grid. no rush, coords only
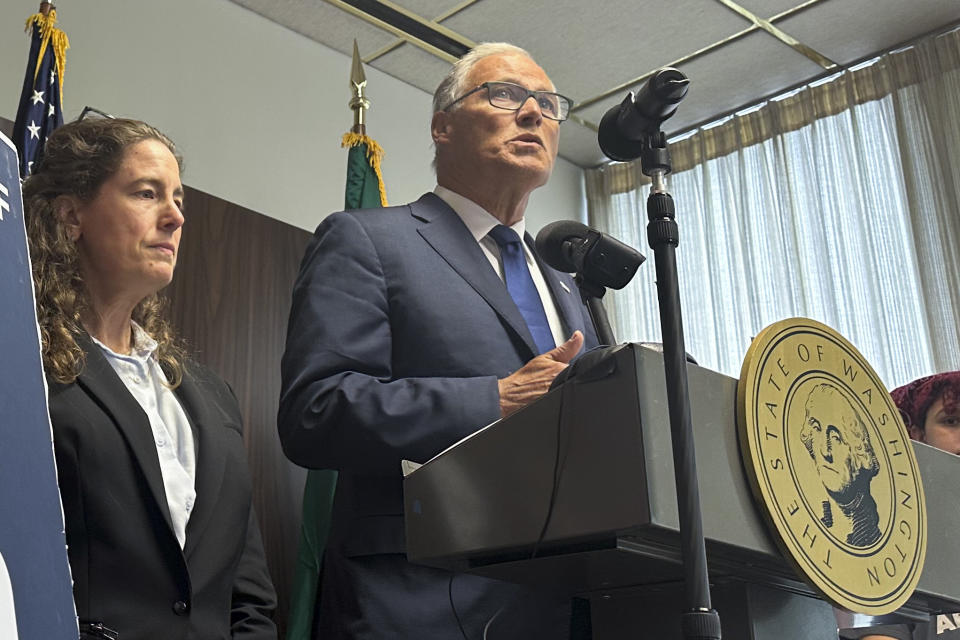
(735, 52)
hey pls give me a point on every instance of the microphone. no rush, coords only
(600, 259)
(625, 125)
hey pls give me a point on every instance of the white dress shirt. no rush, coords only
(141, 374)
(480, 222)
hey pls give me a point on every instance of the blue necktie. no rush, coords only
(521, 287)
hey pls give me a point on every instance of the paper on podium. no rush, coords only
(409, 466)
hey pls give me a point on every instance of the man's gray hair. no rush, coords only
(452, 86)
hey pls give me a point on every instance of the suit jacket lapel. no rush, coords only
(449, 237)
(565, 294)
(103, 383)
(210, 456)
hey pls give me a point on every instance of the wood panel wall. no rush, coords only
(230, 298)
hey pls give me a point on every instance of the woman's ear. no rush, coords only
(65, 208)
(916, 433)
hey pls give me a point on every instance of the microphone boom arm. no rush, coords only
(592, 296)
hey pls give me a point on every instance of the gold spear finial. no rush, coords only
(359, 102)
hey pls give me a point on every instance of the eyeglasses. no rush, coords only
(506, 95)
(91, 112)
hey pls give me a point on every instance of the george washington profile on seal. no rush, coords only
(835, 436)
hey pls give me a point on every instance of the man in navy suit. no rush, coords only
(414, 326)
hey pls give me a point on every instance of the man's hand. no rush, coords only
(533, 379)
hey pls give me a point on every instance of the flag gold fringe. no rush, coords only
(374, 156)
(50, 35)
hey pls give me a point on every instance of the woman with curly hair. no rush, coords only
(931, 411)
(162, 538)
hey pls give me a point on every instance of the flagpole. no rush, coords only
(364, 190)
(359, 103)
(358, 141)
(40, 110)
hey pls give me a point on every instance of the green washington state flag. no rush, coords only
(364, 190)
(364, 180)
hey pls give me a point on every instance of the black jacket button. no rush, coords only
(181, 608)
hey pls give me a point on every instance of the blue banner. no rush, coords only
(34, 573)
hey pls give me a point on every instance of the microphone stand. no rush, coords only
(699, 620)
(591, 294)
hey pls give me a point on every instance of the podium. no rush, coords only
(576, 494)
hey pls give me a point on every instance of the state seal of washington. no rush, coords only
(831, 466)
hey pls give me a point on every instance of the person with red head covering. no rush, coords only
(931, 411)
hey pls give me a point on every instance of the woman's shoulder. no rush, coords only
(200, 374)
(206, 384)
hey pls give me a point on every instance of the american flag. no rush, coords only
(41, 109)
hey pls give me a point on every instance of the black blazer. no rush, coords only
(129, 572)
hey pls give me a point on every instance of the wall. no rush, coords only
(257, 110)
(232, 311)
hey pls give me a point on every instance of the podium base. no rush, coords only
(747, 612)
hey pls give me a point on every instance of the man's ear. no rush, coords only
(66, 209)
(440, 127)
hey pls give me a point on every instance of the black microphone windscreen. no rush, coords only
(612, 142)
(550, 243)
(625, 126)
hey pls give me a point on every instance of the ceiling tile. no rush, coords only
(414, 66)
(724, 80)
(428, 9)
(849, 30)
(322, 22)
(739, 74)
(767, 9)
(588, 48)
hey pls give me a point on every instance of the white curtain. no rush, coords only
(838, 202)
